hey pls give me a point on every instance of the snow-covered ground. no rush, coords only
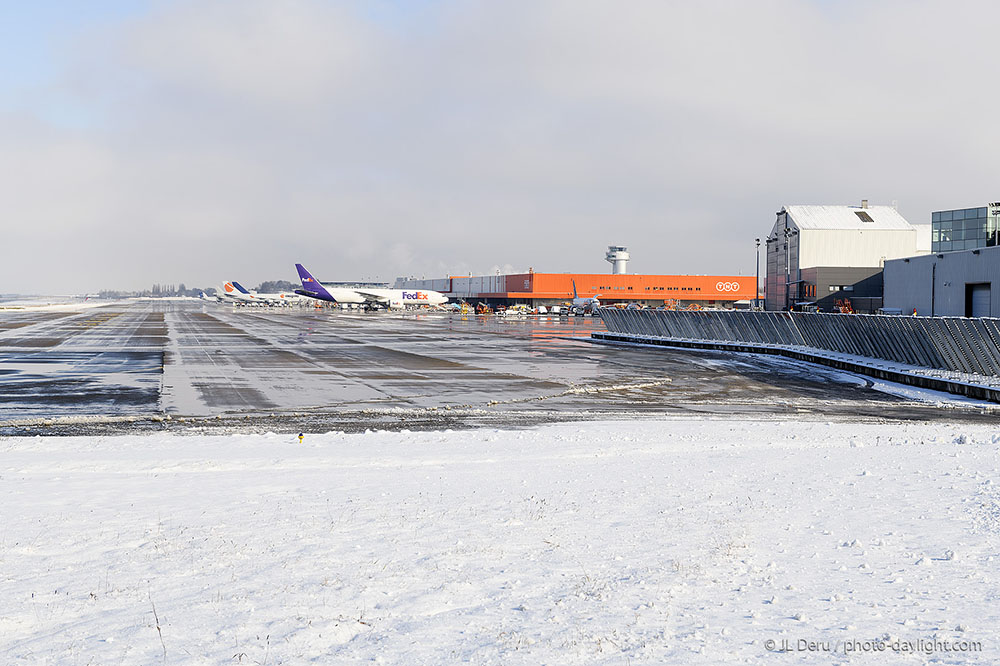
(53, 304)
(673, 541)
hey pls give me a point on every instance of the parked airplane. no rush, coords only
(281, 298)
(584, 304)
(230, 293)
(370, 296)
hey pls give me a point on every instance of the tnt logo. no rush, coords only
(414, 296)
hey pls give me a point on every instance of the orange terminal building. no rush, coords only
(535, 289)
(721, 291)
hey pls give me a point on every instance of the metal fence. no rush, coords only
(944, 343)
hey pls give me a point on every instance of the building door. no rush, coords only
(977, 300)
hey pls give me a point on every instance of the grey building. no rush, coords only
(947, 284)
(965, 228)
(824, 286)
(818, 255)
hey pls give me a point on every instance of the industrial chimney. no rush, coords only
(618, 257)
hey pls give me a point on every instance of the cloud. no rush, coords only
(278, 55)
(232, 139)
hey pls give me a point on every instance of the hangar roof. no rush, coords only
(847, 217)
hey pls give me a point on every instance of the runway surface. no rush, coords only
(212, 365)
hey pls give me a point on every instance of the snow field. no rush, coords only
(674, 541)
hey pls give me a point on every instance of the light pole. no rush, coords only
(788, 269)
(756, 285)
(767, 256)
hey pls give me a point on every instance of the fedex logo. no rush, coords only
(414, 296)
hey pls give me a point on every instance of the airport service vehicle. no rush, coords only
(281, 298)
(584, 305)
(460, 308)
(514, 311)
(370, 297)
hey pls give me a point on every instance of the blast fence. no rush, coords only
(956, 344)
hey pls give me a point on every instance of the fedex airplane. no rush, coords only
(390, 298)
(282, 298)
(584, 304)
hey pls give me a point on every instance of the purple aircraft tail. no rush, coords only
(311, 287)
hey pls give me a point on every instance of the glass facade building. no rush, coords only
(965, 228)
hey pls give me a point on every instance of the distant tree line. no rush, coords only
(171, 290)
(157, 291)
(166, 290)
(274, 286)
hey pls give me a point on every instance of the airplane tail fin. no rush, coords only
(574, 289)
(306, 277)
(311, 286)
(228, 288)
(240, 287)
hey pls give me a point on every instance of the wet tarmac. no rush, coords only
(205, 367)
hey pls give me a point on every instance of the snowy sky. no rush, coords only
(175, 141)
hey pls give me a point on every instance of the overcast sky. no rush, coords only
(195, 142)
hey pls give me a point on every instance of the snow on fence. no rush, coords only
(944, 343)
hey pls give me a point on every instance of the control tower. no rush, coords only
(618, 257)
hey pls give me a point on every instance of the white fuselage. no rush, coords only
(401, 298)
(586, 303)
(284, 297)
(343, 295)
